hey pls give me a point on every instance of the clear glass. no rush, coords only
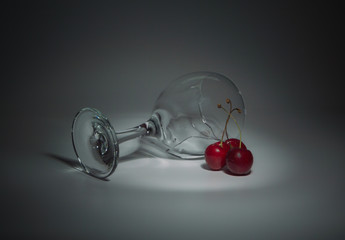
(184, 121)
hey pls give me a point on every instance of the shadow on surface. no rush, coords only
(68, 161)
(72, 163)
(225, 170)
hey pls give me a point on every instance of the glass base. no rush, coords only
(95, 143)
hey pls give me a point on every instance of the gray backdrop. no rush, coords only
(117, 56)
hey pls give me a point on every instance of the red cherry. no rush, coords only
(239, 161)
(235, 143)
(215, 155)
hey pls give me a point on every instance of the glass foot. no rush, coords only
(95, 143)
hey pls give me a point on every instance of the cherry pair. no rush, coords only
(232, 153)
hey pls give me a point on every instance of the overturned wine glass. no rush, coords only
(184, 121)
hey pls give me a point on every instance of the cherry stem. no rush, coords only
(236, 109)
(239, 130)
(230, 110)
(227, 121)
(226, 126)
(225, 129)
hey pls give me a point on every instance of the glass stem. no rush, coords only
(146, 129)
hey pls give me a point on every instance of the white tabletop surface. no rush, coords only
(296, 188)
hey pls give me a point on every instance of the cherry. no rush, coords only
(233, 152)
(215, 155)
(239, 161)
(235, 143)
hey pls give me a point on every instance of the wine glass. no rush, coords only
(184, 121)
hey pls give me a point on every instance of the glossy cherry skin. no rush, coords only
(215, 155)
(239, 161)
(235, 143)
